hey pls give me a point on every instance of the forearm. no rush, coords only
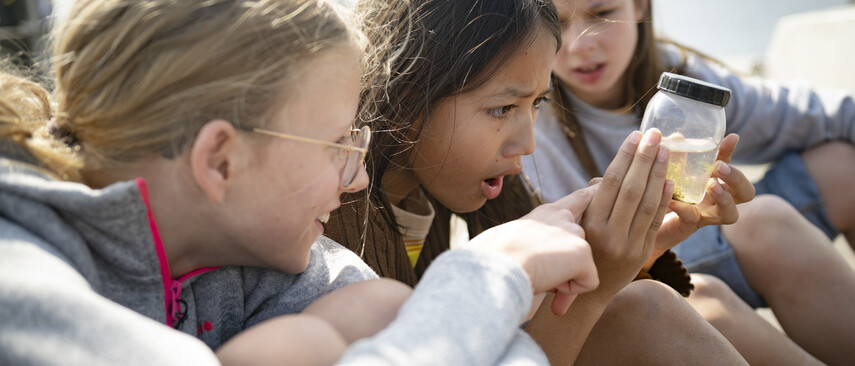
(468, 304)
(562, 337)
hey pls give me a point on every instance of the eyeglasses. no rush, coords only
(353, 155)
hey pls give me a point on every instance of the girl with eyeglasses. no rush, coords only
(455, 87)
(166, 199)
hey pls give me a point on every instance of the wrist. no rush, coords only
(653, 257)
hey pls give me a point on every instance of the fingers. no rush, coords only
(737, 183)
(639, 196)
(726, 147)
(651, 236)
(567, 292)
(578, 201)
(688, 213)
(602, 205)
(724, 204)
(561, 302)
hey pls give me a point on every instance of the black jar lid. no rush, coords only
(699, 90)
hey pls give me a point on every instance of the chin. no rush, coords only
(295, 267)
(465, 206)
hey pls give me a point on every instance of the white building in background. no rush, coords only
(817, 47)
(736, 32)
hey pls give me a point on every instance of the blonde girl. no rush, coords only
(168, 195)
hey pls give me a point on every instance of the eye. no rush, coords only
(500, 112)
(603, 14)
(539, 101)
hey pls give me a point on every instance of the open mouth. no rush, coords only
(491, 187)
(589, 68)
(589, 73)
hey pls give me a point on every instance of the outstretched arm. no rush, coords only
(620, 225)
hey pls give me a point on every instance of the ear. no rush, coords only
(642, 9)
(212, 158)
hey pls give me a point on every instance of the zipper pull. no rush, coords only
(175, 311)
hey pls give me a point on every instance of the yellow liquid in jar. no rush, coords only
(690, 165)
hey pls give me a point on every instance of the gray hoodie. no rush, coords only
(770, 118)
(82, 283)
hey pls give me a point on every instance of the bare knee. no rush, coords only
(707, 286)
(763, 212)
(832, 167)
(715, 300)
(763, 222)
(833, 150)
(646, 300)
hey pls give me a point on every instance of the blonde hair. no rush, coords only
(139, 78)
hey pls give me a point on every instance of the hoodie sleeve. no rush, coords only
(466, 310)
(269, 293)
(49, 315)
(774, 118)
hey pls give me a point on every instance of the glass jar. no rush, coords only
(690, 114)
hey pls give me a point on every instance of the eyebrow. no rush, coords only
(518, 92)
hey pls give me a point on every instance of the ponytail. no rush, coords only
(25, 114)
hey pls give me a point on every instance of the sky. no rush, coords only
(729, 30)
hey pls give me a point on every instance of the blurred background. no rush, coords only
(746, 35)
(786, 40)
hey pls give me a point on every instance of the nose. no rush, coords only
(581, 38)
(360, 181)
(522, 141)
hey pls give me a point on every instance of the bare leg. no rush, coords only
(832, 166)
(361, 309)
(793, 266)
(757, 340)
(289, 339)
(648, 323)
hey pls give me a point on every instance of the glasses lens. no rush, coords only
(361, 139)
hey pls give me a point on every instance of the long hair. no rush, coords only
(139, 78)
(421, 51)
(641, 76)
(644, 69)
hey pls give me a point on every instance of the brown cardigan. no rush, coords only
(384, 249)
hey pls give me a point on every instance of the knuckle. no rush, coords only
(633, 192)
(566, 215)
(731, 218)
(627, 153)
(656, 224)
(577, 230)
(660, 173)
(646, 157)
(648, 208)
(612, 179)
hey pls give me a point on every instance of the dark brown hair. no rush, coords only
(421, 51)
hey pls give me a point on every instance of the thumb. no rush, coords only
(578, 201)
(561, 302)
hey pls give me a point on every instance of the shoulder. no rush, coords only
(330, 266)
(339, 260)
